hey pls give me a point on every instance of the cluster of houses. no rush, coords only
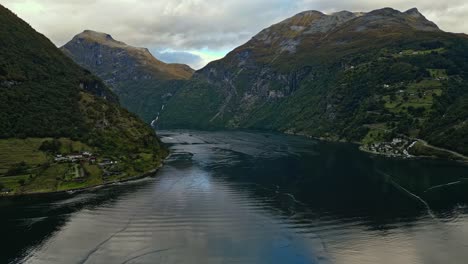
(83, 156)
(76, 157)
(107, 165)
(398, 147)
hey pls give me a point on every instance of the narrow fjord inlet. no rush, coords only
(241, 197)
(249, 132)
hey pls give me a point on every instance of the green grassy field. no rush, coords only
(14, 151)
(376, 133)
(416, 95)
(93, 178)
(70, 146)
(27, 169)
(13, 182)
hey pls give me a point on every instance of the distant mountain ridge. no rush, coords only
(361, 77)
(315, 22)
(134, 74)
(114, 61)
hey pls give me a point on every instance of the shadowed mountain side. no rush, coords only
(142, 82)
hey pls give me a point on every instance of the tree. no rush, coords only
(17, 169)
(52, 146)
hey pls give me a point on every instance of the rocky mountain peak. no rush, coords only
(412, 18)
(306, 15)
(345, 14)
(98, 37)
(115, 61)
(386, 11)
(95, 34)
(287, 33)
(315, 26)
(414, 12)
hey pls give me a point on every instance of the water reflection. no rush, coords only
(240, 197)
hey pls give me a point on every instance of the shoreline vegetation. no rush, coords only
(400, 147)
(114, 145)
(71, 171)
(148, 174)
(62, 128)
(416, 149)
(46, 165)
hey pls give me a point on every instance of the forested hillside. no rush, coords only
(50, 107)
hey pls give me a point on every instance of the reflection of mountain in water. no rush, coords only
(252, 198)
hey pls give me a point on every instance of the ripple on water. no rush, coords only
(219, 200)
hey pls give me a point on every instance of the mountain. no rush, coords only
(373, 78)
(51, 106)
(134, 74)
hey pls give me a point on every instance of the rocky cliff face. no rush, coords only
(349, 76)
(139, 79)
(257, 61)
(115, 61)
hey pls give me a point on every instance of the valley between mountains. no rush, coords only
(337, 137)
(84, 115)
(391, 81)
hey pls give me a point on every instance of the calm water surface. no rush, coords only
(238, 197)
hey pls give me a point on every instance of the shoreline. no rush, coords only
(149, 174)
(462, 158)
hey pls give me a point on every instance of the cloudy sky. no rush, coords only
(198, 31)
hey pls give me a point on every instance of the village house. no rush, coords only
(107, 162)
(75, 157)
(5, 190)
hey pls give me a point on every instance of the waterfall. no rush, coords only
(155, 120)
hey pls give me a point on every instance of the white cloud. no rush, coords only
(200, 26)
(172, 56)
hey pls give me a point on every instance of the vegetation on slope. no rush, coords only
(367, 78)
(45, 95)
(147, 98)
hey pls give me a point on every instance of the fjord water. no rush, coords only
(239, 197)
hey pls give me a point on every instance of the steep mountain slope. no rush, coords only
(45, 95)
(133, 73)
(362, 77)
